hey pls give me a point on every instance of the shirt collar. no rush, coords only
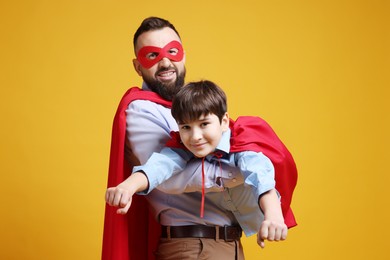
(224, 143)
(145, 86)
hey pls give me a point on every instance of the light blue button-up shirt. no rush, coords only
(167, 171)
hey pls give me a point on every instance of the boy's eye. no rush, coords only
(185, 127)
(204, 124)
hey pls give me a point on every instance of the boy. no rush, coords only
(200, 111)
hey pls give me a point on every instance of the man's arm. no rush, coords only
(148, 128)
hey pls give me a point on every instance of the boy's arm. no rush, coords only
(259, 174)
(148, 129)
(162, 166)
(145, 178)
(121, 195)
(258, 171)
(273, 227)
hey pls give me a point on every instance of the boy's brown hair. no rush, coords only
(198, 99)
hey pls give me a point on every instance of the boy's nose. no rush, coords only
(196, 134)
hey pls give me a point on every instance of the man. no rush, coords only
(160, 62)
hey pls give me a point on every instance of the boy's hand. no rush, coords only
(119, 197)
(273, 227)
(271, 231)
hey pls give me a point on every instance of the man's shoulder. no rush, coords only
(252, 133)
(249, 120)
(136, 93)
(253, 124)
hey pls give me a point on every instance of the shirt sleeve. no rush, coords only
(147, 128)
(162, 166)
(258, 171)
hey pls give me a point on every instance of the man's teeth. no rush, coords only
(165, 74)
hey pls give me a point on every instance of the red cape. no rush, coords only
(250, 133)
(133, 236)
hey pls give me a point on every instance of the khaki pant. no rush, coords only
(199, 249)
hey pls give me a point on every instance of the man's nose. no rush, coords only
(164, 63)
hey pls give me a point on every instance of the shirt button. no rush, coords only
(230, 174)
(234, 180)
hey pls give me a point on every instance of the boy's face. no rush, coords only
(202, 136)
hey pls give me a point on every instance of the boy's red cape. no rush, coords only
(135, 236)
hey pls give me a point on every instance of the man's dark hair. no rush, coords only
(150, 24)
(198, 99)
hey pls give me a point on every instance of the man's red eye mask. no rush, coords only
(164, 52)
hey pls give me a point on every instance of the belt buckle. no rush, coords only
(225, 234)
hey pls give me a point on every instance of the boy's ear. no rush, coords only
(225, 122)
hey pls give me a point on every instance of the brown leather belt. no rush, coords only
(227, 233)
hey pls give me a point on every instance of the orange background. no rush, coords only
(317, 71)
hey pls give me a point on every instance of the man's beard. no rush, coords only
(166, 90)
